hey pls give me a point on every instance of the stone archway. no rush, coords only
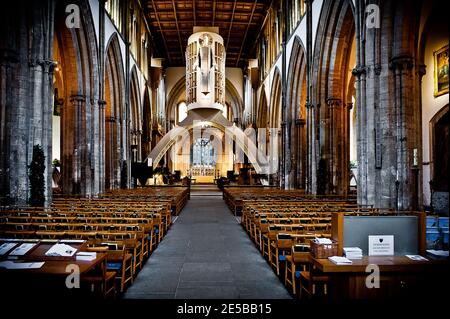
(115, 124)
(332, 73)
(81, 113)
(135, 113)
(275, 100)
(177, 94)
(296, 100)
(262, 113)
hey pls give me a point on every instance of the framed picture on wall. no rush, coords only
(441, 71)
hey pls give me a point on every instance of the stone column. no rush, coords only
(73, 149)
(301, 152)
(330, 140)
(47, 129)
(360, 79)
(8, 62)
(101, 141)
(360, 82)
(282, 165)
(311, 178)
(404, 121)
(421, 71)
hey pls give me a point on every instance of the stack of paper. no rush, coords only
(340, 260)
(61, 250)
(440, 253)
(86, 255)
(324, 241)
(72, 241)
(12, 265)
(353, 252)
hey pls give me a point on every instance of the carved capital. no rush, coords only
(101, 104)
(77, 99)
(8, 56)
(377, 69)
(300, 122)
(110, 119)
(309, 105)
(402, 62)
(359, 70)
(48, 66)
(422, 70)
(334, 102)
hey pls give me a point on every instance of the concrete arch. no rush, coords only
(177, 93)
(245, 141)
(232, 132)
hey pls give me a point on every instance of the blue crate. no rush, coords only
(443, 222)
(432, 236)
(431, 221)
(446, 237)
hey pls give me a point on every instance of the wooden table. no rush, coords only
(399, 277)
(51, 277)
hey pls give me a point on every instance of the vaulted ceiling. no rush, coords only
(172, 21)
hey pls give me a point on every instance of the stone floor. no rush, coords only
(206, 254)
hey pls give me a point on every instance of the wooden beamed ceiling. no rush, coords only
(172, 21)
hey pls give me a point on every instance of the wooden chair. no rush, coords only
(268, 239)
(101, 278)
(295, 264)
(313, 283)
(119, 261)
(279, 248)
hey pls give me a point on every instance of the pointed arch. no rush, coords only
(177, 94)
(135, 101)
(235, 101)
(135, 116)
(275, 101)
(296, 101)
(77, 51)
(146, 137)
(330, 79)
(115, 126)
(262, 113)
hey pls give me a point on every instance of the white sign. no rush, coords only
(381, 245)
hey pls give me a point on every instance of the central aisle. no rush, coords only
(206, 254)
